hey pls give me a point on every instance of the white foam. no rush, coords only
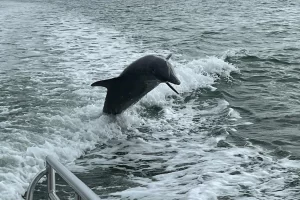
(227, 172)
(74, 124)
(233, 114)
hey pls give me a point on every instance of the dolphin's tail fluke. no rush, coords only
(105, 83)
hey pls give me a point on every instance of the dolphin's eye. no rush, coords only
(153, 70)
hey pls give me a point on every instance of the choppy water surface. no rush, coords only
(232, 133)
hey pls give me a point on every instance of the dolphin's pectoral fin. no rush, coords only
(106, 83)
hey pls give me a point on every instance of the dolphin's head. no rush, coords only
(163, 71)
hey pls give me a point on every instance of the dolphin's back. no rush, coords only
(139, 66)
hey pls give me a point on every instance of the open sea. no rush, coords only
(233, 133)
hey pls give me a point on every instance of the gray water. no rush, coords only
(232, 133)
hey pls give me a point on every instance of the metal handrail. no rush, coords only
(52, 165)
(29, 193)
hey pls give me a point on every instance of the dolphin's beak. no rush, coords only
(172, 88)
(173, 79)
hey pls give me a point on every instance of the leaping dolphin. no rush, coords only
(139, 78)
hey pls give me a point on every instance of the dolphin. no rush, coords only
(139, 78)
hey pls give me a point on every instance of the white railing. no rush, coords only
(52, 165)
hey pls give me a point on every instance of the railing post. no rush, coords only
(51, 179)
(51, 182)
(77, 196)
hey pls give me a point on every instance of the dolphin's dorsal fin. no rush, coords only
(106, 83)
(169, 56)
